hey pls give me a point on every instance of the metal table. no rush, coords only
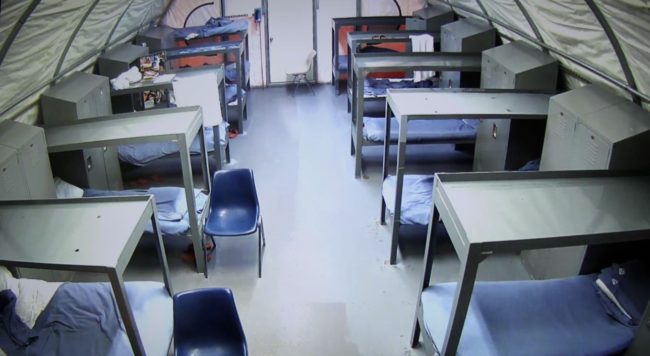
(486, 213)
(365, 63)
(356, 39)
(442, 104)
(180, 125)
(357, 22)
(105, 234)
(239, 49)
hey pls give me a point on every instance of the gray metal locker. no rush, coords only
(588, 128)
(157, 38)
(11, 178)
(506, 144)
(79, 96)
(29, 144)
(82, 96)
(466, 35)
(564, 112)
(430, 18)
(119, 59)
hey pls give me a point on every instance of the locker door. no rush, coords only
(112, 167)
(492, 139)
(12, 183)
(95, 168)
(35, 166)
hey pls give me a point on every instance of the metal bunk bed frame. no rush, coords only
(357, 22)
(180, 125)
(474, 241)
(240, 49)
(365, 63)
(106, 233)
(168, 85)
(443, 104)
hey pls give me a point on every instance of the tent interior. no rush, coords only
(329, 285)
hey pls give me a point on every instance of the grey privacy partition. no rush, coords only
(180, 125)
(357, 39)
(338, 63)
(237, 48)
(444, 104)
(384, 62)
(37, 234)
(487, 213)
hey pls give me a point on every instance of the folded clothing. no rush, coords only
(343, 63)
(624, 290)
(125, 79)
(171, 206)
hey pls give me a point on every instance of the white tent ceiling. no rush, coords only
(40, 40)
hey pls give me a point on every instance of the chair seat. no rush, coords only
(231, 221)
(206, 322)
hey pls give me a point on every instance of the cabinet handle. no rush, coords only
(89, 163)
(494, 131)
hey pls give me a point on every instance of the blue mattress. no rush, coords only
(143, 153)
(423, 131)
(82, 319)
(171, 206)
(548, 317)
(214, 26)
(231, 93)
(374, 87)
(231, 71)
(417, 198)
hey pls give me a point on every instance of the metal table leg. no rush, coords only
(119, 292)
(188, 183)
(358, 114)
(160, 249)
(399, 185)
(384, 172)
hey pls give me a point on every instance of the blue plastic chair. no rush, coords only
(206, 322)
(234, 208)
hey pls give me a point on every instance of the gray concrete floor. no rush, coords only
(327, 288)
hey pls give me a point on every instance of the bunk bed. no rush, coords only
(340, 61)
(491, 213)
(179, 125)
(182, 81)
(363, 64)
(438, 106)
(116, 318)
(221, 27)
(242, 77)
(365, 42)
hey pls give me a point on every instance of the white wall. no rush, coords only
(388, 8)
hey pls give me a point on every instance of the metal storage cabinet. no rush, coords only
(119, 59)
(82, 96)
(466, 35)
(116, 61)
(591, 128)
(28, 143)
(11, 179)
(508, 144)
(157, 38)
(588, 128)
(430, 18)
(79, 96)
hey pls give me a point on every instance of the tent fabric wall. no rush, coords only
(388, 8)
(571, 27)
(54, 36)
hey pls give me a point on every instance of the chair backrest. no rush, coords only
(235, 187)
(309, 61)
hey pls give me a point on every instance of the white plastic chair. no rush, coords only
(299, 74)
